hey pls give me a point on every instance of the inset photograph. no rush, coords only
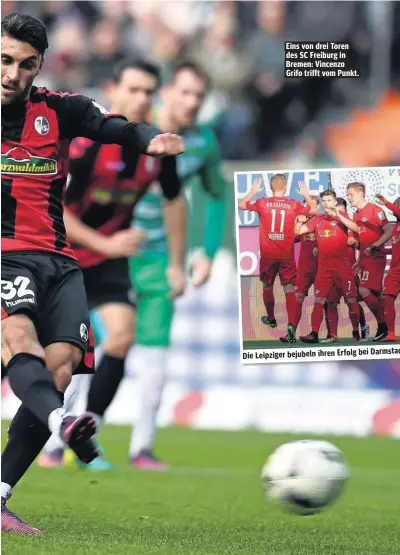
(319, 264)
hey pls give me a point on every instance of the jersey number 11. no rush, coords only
(273, 211)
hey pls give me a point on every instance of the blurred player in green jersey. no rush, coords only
(198, 167)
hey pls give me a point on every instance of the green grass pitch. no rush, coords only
(211, 502)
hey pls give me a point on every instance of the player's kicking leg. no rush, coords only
(110, 297)
(118, 322)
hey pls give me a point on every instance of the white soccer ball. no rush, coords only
(305, 476)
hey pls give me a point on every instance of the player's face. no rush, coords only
(185, 97)
(354, 196)
(328, 202)
(20, 63)
(133, 95)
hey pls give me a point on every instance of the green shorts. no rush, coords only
(154, 310)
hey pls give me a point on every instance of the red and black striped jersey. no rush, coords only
(34, 163)
(105, 184)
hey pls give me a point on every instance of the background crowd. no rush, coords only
(256, 112)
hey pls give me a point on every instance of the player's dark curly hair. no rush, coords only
(25, 28)
(137, 63)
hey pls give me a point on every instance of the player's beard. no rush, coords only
(16, 96)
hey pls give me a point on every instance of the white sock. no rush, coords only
(55, 420)
(5, 490)
(55, 443)
(150, 367)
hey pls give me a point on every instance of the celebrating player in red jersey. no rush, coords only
(334, 267)
(307, 265)
(45, 317)
(372, 223)
(277, 233)
(391, 286)
(331, 306)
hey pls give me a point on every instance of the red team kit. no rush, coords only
(328, 248)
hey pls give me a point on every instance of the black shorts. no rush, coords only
(49, 289)
(108, 282)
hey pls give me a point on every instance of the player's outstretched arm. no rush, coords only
(305, 193)
(82, 117)
(392, 207)
(350, 224)
(257, 186)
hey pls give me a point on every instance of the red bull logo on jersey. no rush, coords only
(19, 161)
(309, 237)
(327, 233)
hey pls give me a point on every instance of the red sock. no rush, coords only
(363, 321)
(375, 306)
(269, 302)
(332, 318)
(390, 312)
(291, 306)
(299, 310)
(354, 314)
(317, 316)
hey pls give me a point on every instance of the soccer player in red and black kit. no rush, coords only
(45, 317)
(277, 234)
(391, 286)
(334, 266)
(105, 184)
(372, 223)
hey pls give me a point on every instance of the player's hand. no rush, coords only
(258, 185)
(201, 270)
(351, 241)
(332, 211)
(302, 219)
(371, 249)
(176, 281)
(381, 199)
(302, 190)
(123, 243)
(166, 144)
